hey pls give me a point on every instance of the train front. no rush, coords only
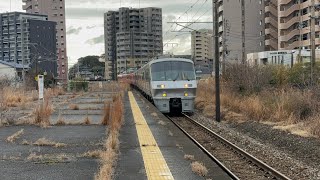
(174, 85)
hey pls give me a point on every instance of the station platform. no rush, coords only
(152, 147)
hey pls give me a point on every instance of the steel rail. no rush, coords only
(220, 164)
(248, 156)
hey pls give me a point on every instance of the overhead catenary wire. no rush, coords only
(183, 28)
(181, 16)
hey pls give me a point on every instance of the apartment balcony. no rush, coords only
(269, 20)
(289, 11)
(284, 2)
(220, 9)
(296, 44)
(290, 35)
(286, 25)
(272, 43)
(271, 9)
(271, 31)
(26, 6)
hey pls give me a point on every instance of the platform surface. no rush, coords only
(152, 147)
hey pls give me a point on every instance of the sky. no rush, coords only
(84, 22)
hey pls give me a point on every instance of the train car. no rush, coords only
(170, 83)
(125, 78)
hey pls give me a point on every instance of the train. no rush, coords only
(169, 82)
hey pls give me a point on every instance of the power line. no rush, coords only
(188, 25)
(181, 16)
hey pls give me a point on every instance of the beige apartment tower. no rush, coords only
(55, 9)
(201, 47)
(295, 24)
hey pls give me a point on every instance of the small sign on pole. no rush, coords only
(40, 86)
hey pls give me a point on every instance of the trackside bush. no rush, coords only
(78, 85)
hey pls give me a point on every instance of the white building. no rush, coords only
(284, 57)
(7, 71)
(11, 70)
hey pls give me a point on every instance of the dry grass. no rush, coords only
(92, 154)
(25, 142)
(162, 123)
(49, 158)
(61, 121)
(189, 157)
(199, 169)
(34, 157)
(106, 114)
(87, 121)
(54, 92)
(73, 107)
(14, 97)
(314, 126)
(284, 104)
(42, 113)
(46, 142)
(15, 136)
(109, 156)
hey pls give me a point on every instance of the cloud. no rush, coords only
(90, 27)
(73, 30)
(96, 40)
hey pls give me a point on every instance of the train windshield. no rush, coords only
(172, 71)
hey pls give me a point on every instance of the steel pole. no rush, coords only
(312, 39)
(217, 60)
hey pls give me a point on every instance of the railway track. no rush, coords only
(232, 159)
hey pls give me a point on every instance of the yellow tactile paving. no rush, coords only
(155, 165)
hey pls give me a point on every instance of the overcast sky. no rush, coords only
(84, 21)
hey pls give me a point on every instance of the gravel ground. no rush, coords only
(294, 156)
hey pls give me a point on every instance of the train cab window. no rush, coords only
(172, 71)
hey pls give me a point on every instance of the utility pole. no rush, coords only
(243, 28)
(22, 52)
(300, 35)
(216, 54)
(313, 35)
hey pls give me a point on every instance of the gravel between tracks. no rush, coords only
(294, 156)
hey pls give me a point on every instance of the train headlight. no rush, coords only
(164, 94)
(187, 85)
(162, 86)
(186, 94)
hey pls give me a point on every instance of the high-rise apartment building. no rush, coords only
(132, 38)
(271, 25)
(230, 28)
(294, 19)
(55, 9)
(28, 40)
(202, 47)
